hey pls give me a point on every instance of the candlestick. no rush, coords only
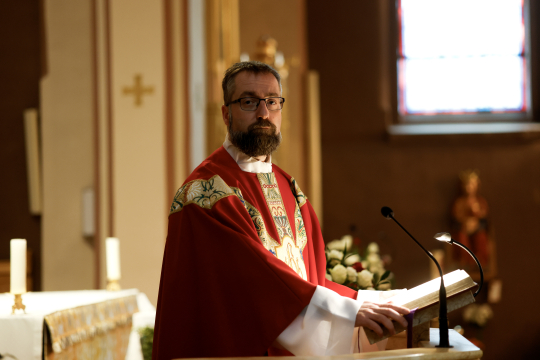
(113, 285)
(18, 305)
(112, 246)
(18, 266)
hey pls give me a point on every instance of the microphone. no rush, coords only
(444, 236)
(443, 317)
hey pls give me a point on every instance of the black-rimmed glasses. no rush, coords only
(252, 103)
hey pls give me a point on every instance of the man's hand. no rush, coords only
(372, 315)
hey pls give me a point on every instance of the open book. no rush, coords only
(425, 297)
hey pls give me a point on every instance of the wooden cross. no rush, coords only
(138, 90)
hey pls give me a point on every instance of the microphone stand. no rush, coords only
(443, 312)
(447, 238)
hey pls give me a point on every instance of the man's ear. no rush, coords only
(225, 114)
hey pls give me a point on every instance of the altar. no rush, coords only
(92, 324)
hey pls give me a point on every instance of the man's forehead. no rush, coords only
(250, 83)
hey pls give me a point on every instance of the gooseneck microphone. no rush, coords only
(444, 236)
(443, 317)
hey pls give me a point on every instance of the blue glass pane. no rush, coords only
(469, 84)
(434, 28)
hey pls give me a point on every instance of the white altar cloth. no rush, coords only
(21, 335)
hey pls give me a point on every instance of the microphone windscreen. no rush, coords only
(387, 212)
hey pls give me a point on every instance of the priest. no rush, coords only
(244, 266)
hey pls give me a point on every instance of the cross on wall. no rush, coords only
(138, 90)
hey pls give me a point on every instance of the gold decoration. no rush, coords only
(138, 90)
(18, 305)
(205, 193)
(77, 326)
(222, 50)
(113, 285)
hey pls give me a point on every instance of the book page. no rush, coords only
(427, 288)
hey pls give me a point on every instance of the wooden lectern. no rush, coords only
(427, 350)
(425, 299)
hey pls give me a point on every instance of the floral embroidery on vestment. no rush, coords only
(206, 193)
(289, 251)
(301, 199)
(269, 243)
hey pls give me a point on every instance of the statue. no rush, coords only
(470, 227)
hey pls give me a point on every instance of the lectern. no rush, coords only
(427, 350)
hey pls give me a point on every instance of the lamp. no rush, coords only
(446, 237)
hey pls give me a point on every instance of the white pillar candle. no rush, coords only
(112, 246)
(18, 266)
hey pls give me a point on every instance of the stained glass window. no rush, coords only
(461, 57)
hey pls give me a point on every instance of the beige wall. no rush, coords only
(137, 157)
(66, 124)
(140, 203)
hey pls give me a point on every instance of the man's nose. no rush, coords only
(262, 110)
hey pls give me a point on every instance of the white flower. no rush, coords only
(478, 314)
(335, 254)
(365, 279)
(483, 314)
(351, 274)
(352, 259)
(347, 241)
(328, 276)
(469, 312)
(334, 257)
(372, 248)
(377, 269)
(333, 262)
(336, 245)
(339, 274)
(374, 259)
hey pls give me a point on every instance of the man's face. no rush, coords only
(256, 132)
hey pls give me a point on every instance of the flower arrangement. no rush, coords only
(478, 314)
(147, 340)
(345, 266)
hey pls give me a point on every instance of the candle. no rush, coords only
(112, 246)
(18, 266)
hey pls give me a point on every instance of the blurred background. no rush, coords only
(107, 106)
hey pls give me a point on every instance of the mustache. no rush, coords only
(260, 124)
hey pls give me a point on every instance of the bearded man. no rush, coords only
(244, 266)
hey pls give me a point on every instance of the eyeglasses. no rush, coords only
(252, 103)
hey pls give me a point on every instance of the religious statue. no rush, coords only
(470, 226)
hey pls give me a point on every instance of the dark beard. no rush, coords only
(256, 142)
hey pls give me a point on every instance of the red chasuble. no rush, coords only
(244, 254)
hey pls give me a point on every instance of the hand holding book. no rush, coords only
(373, 315)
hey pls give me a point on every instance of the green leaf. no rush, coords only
(385, 275)
(147, 339)
(375, 279)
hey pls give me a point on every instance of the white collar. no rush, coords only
(246, 162)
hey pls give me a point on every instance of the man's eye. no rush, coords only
(248, 101)
(271, 101)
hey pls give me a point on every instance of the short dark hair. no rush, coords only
(255, 67)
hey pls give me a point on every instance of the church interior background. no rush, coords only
(128, 94)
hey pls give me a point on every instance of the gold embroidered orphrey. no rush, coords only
(290, 252)
(206, 193)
